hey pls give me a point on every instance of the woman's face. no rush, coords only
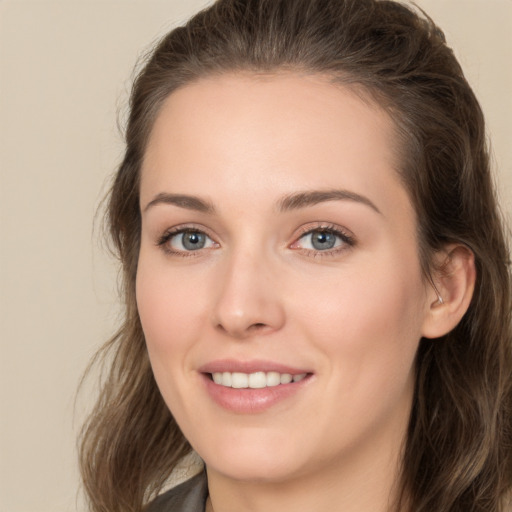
(279, 244)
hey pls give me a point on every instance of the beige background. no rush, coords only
(65, 68)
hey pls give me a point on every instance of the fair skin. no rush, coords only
(277, 237)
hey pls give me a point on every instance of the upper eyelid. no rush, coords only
(183, 228)
(164, 241)
(347, 238)
(299, 232)
(325, 226)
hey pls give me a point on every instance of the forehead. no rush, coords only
(270, 133)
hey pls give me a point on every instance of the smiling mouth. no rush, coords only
(256, 380)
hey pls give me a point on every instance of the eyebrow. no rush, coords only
(313, 197)
(290, 202)
(183, 201)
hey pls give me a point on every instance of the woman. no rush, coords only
(315, 272)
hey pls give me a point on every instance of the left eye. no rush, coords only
(189, 240)
(321, 240)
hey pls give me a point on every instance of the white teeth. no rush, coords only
(239, 380)
(286, 378)
(273, 379)
(226, 379)
(255, 380)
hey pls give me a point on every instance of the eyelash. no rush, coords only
(164, 240)
(347, 240)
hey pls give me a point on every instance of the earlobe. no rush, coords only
(454, 278)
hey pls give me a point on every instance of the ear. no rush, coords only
(454, 277)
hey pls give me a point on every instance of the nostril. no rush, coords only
(258, 326)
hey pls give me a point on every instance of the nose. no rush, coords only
(249, 299)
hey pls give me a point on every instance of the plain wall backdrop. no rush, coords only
(65, 72)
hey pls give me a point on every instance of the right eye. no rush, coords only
(186, 240)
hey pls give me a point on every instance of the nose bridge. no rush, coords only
(248, 300)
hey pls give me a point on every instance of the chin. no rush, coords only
(256, 471)
(255, 461)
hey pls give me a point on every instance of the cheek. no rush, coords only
(170, 310)
(369, 340)
(172, 318)
(368, 324)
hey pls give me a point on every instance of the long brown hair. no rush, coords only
(458, 453)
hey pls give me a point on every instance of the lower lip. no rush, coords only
(251, 401)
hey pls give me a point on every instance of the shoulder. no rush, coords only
(190, 496)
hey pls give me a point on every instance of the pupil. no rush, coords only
(323, 240)
(193, 241)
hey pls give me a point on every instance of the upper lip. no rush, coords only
(252, 366)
